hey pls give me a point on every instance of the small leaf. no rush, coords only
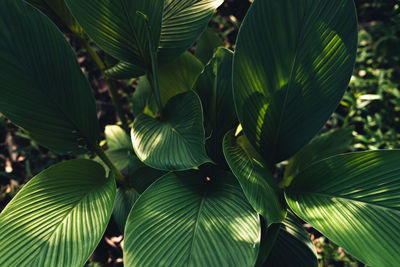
(175, 142)
(184, 219)
(42, 87)
(58, 217)
(255, 178)
(293, 246)
(353, 199)
(293, 61)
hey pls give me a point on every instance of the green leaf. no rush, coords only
(354, 200)
(328, 144)
(207, 45)
(214, 88)
(182, 23)
(58, 217)
(42, 87)
(175, 77)
(124, 201)
(292, 64)
(184, 219)
(293, 246)
(268, 238)
(178, 76)
(175, 142)
(58, 12)
(124, 71)
(117, 138)
(255, 178)
(117, 27)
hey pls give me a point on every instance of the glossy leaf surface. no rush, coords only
(182, 23)
(255, 178)
(42, 87)
(292, 64)
(124, 70)
(58, 217)
(185, 220)
(354, 200)
(175, 142)
(118, 28)
(119, 143)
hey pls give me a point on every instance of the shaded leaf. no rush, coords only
(214, 88)
(255, 178)
(293, 246)
(292, 64)
(58, 217)
(124, 201)
(353, 199)
(207, 44)
(175, 142)
(183, 217)
(41, 84)
(124, 70)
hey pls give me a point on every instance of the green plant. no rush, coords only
(203, 156)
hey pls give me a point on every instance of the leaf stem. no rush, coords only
(93, 55)
(112, 85)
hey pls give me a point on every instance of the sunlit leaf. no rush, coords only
(176, 141)
(185, 219)
(354, 200)
(293, 61)
(58, 217)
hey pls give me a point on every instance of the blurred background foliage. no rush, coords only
(370, 107)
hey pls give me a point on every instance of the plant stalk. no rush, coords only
(112, 85)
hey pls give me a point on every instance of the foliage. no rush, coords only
(200, 179)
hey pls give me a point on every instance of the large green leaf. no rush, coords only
(328, 144)
(255, 178)
(214, 88)
(292, 63)
(142, 176)
(293, 246)
(116, 26)
(58, 217)
(354, 200)
(185, 219)
(41, 85)
(58, 12)
(176, 141)
(182, 23)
